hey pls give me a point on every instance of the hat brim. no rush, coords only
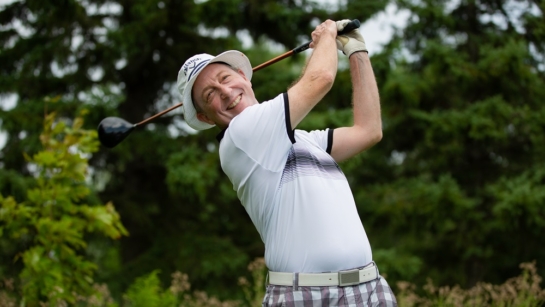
(235, 59)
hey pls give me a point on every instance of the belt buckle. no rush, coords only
(349, 277)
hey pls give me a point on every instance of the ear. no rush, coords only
(203, 118)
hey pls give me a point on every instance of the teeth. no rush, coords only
(234, 104)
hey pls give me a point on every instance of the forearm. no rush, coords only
(367, 128)
(366, 100)
(318, 76)
(323, 60)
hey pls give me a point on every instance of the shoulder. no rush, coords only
(258, 115)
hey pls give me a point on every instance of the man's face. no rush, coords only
(222, 94)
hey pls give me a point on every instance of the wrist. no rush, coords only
(361, 52)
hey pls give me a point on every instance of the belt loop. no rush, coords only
(295, 281)
(266, 280)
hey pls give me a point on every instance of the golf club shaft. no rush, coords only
(278, 58)
(159, 114)
(354, 24)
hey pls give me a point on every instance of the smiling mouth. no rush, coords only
(234, 104)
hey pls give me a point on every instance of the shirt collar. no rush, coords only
(220, 135)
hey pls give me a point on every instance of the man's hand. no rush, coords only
(328, 27)
(350, 42)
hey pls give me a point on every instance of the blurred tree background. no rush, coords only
(455, 191)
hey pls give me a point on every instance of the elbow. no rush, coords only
(328, 79)
(367, 138)
(377, 132)
(324, 79)
(377, 136)
(372, 137)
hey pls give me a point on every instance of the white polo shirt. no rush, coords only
(294, 192)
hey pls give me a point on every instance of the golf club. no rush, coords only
(113, 130)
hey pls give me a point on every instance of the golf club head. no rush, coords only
(113, 130)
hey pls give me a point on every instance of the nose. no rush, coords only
(225, 92)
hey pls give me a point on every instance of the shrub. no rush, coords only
(51, 222)
(520, 291)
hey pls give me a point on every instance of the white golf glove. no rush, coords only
(350, 42)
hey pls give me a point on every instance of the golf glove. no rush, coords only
(350, 42)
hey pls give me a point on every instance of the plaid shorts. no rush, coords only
(372, 293)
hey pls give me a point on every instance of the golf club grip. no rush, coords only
(354, 24)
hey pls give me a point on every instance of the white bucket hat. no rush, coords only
(191, 70)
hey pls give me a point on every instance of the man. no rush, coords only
(288, 180)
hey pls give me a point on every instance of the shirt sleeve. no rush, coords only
(323, 138)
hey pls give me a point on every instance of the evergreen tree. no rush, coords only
(121, 58)
(457, 190)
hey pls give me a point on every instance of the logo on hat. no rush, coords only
(194, 66)
(190, 62)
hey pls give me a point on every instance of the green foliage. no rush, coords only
(193, 170)
(452, 192)
(254, 289)
(519, 201)
(396, 262)
(146, 291)
(520, 291)
(53, 219)
(119, 58)
(460, 164)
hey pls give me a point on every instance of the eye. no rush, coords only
(208, 95)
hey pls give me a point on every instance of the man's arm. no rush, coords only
(319, 73)
(367, 128)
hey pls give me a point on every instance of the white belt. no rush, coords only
(342, 278)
